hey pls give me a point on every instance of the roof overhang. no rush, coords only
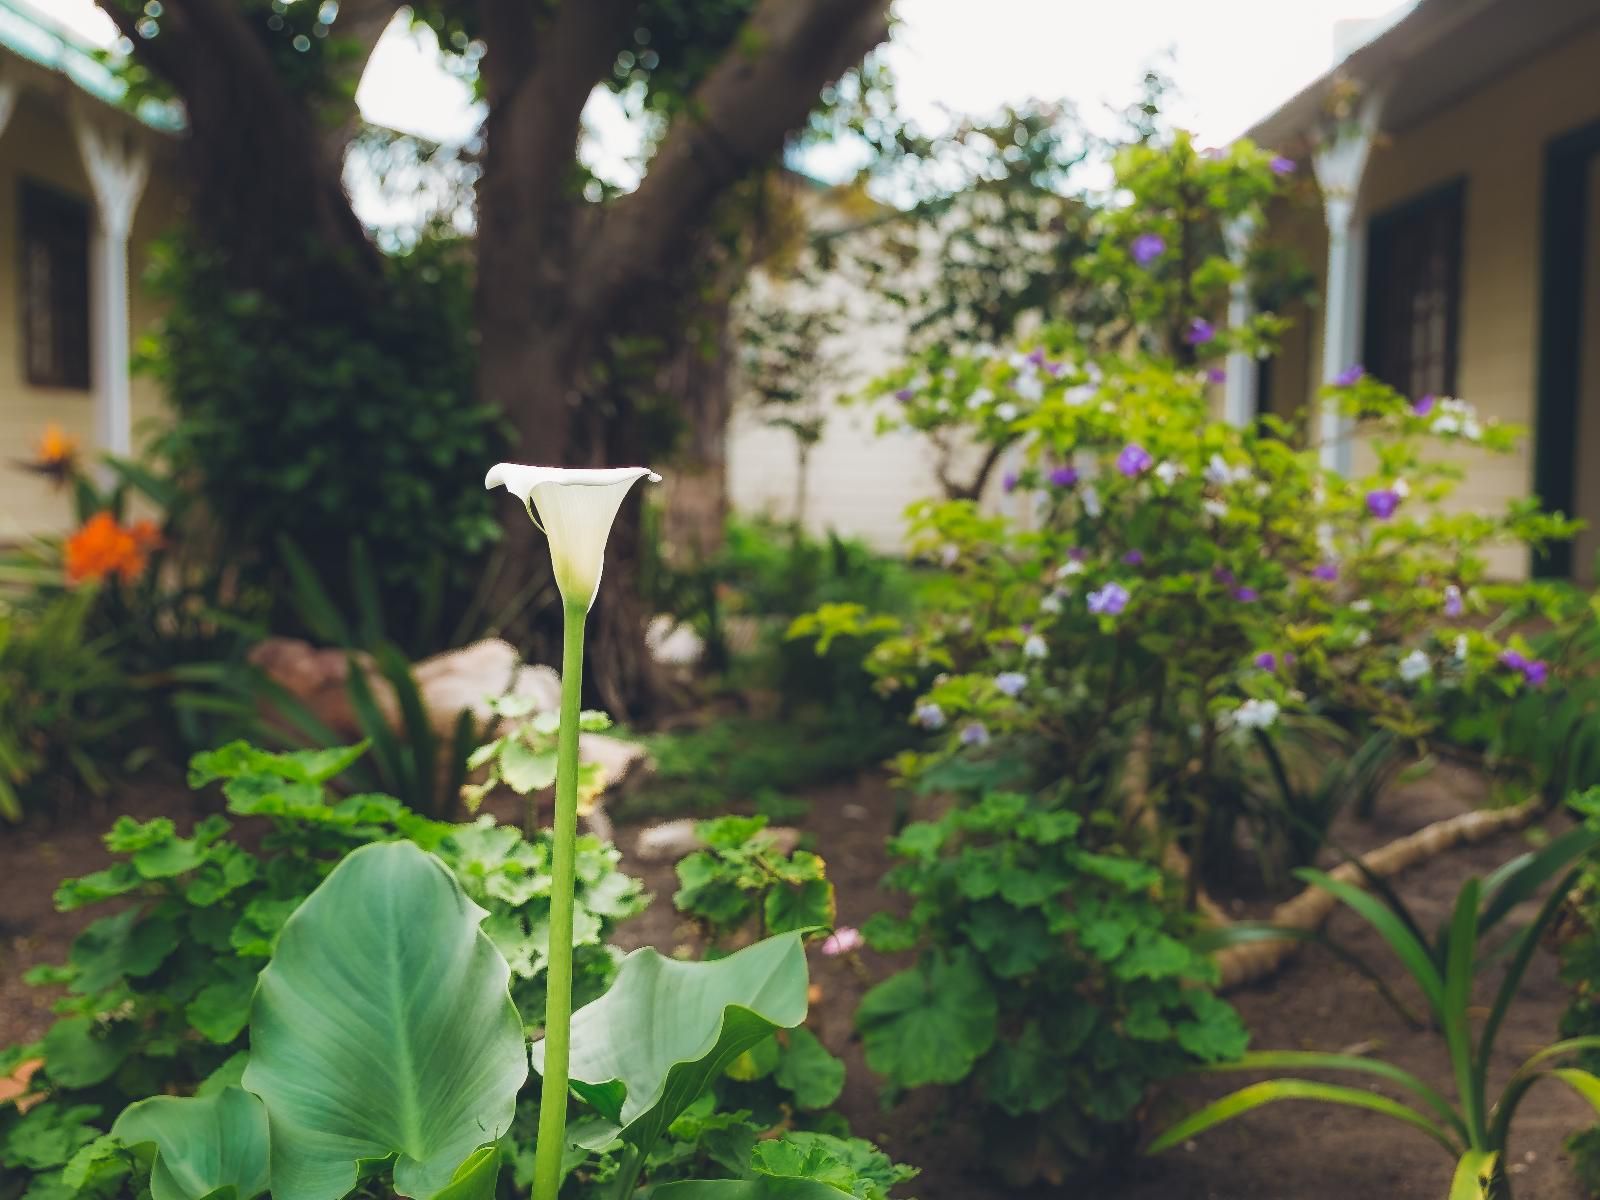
(1438, 52)
(44, 54)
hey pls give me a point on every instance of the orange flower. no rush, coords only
(102, 547)
(57, 456)
(56, 446)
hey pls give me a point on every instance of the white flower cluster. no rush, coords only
(1255, 714)
(1457, 417)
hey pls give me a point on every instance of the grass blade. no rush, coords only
(1406, 945)
(1258, 1094)
(1460, 950)
(1474, 1172)
(1311, 1060)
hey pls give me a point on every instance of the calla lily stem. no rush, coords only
(549, 1150)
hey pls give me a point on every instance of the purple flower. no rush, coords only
(1009, 481)
(1267, 660)
(1011, 683)
(974, 733)
(1134, 558)
(904, 395)
(1452, 601)
(1147, 247)
(1109, 600)
(1535, 673)
(1224, 576)
(1077, 554)
(1327, 572)
(1510, 658)
(1216, 375)
(1063, 476)
(1423, 406)
(1350, 376)
(1055, 368)
(1282, 165)
(930, 715)
(1246, 595)
(1134, 460)
(1382, 502)
(1036, 357)
(1200, 332)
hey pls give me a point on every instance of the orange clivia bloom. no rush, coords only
(56, 447)
(57, 456)
(102, 547)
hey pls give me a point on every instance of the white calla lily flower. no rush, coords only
(575, 508)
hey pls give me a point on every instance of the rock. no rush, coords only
(667, 842)
(673, 643)
(448, 684)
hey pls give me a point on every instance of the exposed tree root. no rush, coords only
(1252, 962)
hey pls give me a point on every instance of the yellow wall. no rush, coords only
(38, 144)
(1495, 140)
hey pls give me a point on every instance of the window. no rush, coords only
(1414, 294)
(54, 278)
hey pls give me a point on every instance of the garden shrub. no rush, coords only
(1054, 982)
(66, 705)
(327, 432)
(1164, 581)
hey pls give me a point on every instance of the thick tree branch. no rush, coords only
(241, 115)
(737, 120)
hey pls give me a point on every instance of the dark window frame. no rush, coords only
(54, 230)
(1413, 249)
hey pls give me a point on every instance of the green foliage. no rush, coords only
(740, 877)
(1475, 1129)
(1578, 932)
(523, 758)
(158, 994)
(1056, 982)
(330, 433)
(66, 706)
(1546, 738)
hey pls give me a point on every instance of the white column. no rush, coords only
(9, 91)
(1239, 391)
(1339, 164)
(117, 165)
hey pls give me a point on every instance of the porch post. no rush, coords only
(117, 165)
(9, 91)
(1239, 402)
(1339, 164)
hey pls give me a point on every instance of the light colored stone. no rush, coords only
(673, 643)
(672, 840)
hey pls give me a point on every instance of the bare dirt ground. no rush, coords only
(1290, 1151)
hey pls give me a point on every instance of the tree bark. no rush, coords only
(265, 188)
(560, 280)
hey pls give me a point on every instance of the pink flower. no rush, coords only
(846, 939)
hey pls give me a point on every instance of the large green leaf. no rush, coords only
(929, 1024)
(202, 1143)
(645, 1050)
(383, 1026)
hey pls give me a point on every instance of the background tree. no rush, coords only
(580, 292)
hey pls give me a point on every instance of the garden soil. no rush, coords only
(1290, 1151)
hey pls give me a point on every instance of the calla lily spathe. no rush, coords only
(575, 508)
